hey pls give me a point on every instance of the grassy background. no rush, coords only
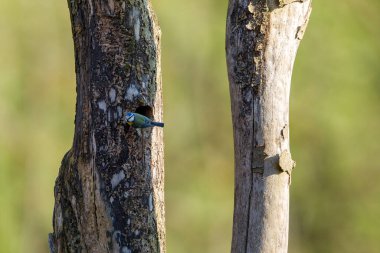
(335, 122)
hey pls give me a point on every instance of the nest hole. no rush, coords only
(145, 110)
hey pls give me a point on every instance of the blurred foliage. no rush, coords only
(335, 108)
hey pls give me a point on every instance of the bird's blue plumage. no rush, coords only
(140, 121)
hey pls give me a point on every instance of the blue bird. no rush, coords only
(140, 121)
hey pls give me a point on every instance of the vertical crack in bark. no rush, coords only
(249, 214)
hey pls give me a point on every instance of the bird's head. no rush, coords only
(130, 117)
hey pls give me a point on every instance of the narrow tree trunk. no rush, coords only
(109, 192)
(261, 44)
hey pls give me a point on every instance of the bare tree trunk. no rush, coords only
(261, 44)
(109, 192)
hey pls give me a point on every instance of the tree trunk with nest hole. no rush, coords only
(109, 192)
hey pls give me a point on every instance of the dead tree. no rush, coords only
(109, 192)
(261, 44)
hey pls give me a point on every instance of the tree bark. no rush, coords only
(109, 191)
(261, 43)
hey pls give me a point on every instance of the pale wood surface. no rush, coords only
(261, 44)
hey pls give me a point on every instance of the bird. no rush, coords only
(140, 121)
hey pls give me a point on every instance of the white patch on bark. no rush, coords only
(117, 178)
(115, 244)
(102, 105)
(111, 6)
(145, 80)
(251, 8)
(119, 111)
(91, 9)
(126, 250)
(73, 201)
(93, 143)
(112, 95)
(109, 115)
(131, 92)
(59, 218)
(135, 18)
(150, 202)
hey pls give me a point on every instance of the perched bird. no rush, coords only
(140, 121)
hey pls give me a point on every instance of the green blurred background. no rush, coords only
(335, 125)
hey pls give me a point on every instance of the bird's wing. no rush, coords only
(147, 121)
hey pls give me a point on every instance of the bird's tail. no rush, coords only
(158, 124)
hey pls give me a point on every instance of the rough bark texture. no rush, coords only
(109, 192)
(261, 43)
